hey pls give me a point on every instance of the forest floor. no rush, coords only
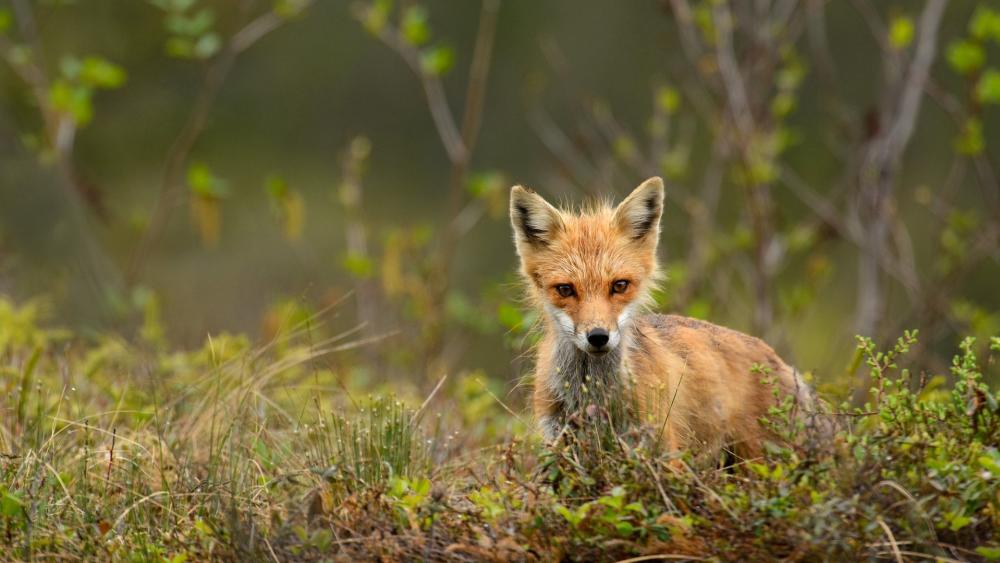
(112, 450)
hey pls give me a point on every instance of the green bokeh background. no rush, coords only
(293, 102)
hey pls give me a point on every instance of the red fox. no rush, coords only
(591, 274)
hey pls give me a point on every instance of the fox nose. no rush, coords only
(598, 337)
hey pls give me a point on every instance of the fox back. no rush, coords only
(591, 273)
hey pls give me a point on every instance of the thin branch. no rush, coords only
(171, 189)
(437, 101)
(686, 28)
(475, 97)
(739, 102)
(560, 146)
(60, 130)
(902, 271)
(875, 26)
(882, 159)
(458, 143)
(913, 89)
(479, 73)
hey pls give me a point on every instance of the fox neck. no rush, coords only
(579, 379)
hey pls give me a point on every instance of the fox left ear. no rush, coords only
(534, 220)
(639, 214)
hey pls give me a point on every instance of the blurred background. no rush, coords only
(173, 168)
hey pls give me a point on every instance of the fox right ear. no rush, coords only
(639, 214)
(534, 220)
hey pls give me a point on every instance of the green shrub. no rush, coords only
(234, 452)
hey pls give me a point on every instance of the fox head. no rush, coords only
(589, 271)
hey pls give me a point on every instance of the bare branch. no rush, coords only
(818, 42)
(170, 185)
(437, 101)
(881, 162)
(475, 97)
(59, 130)
(913, 89)
(458, 144)
(739, 103)
(479, 73)
(688, 33)
(561, 147)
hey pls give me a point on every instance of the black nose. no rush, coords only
(598, 337)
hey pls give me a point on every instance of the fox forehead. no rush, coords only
(590, 251)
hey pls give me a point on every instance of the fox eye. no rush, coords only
(565, 290)
(619, 286)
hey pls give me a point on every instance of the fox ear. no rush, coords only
(639, 214)
(535, 222)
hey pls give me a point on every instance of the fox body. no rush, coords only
(591, 273)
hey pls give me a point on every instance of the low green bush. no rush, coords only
(111, 450)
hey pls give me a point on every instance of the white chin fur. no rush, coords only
(568, 329)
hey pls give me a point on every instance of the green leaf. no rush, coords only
(321, 539)
(191, 26)
(988, 88)
(991, 462)
(10, 505)
(73, 100)
(376, 16)
(437, 60)
(985, 24)
(989, 552)
(901, 32)
(422, 486)
(958, 521)
(276, 187)
(414, 27)
(564, 512)
(668, 99)
(180, 47)
(573, 517)
(970, 140)
(624, 528)
(636, 507)
(485, 184)
(207, 45)
(359, 266)
(614, 501)
(792, 74)
(782, 105)
(965, 57)
(204, 183)
(101, 73)
(5, 20)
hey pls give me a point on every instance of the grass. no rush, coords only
(111, 450)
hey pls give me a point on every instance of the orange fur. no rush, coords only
(693, 377)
